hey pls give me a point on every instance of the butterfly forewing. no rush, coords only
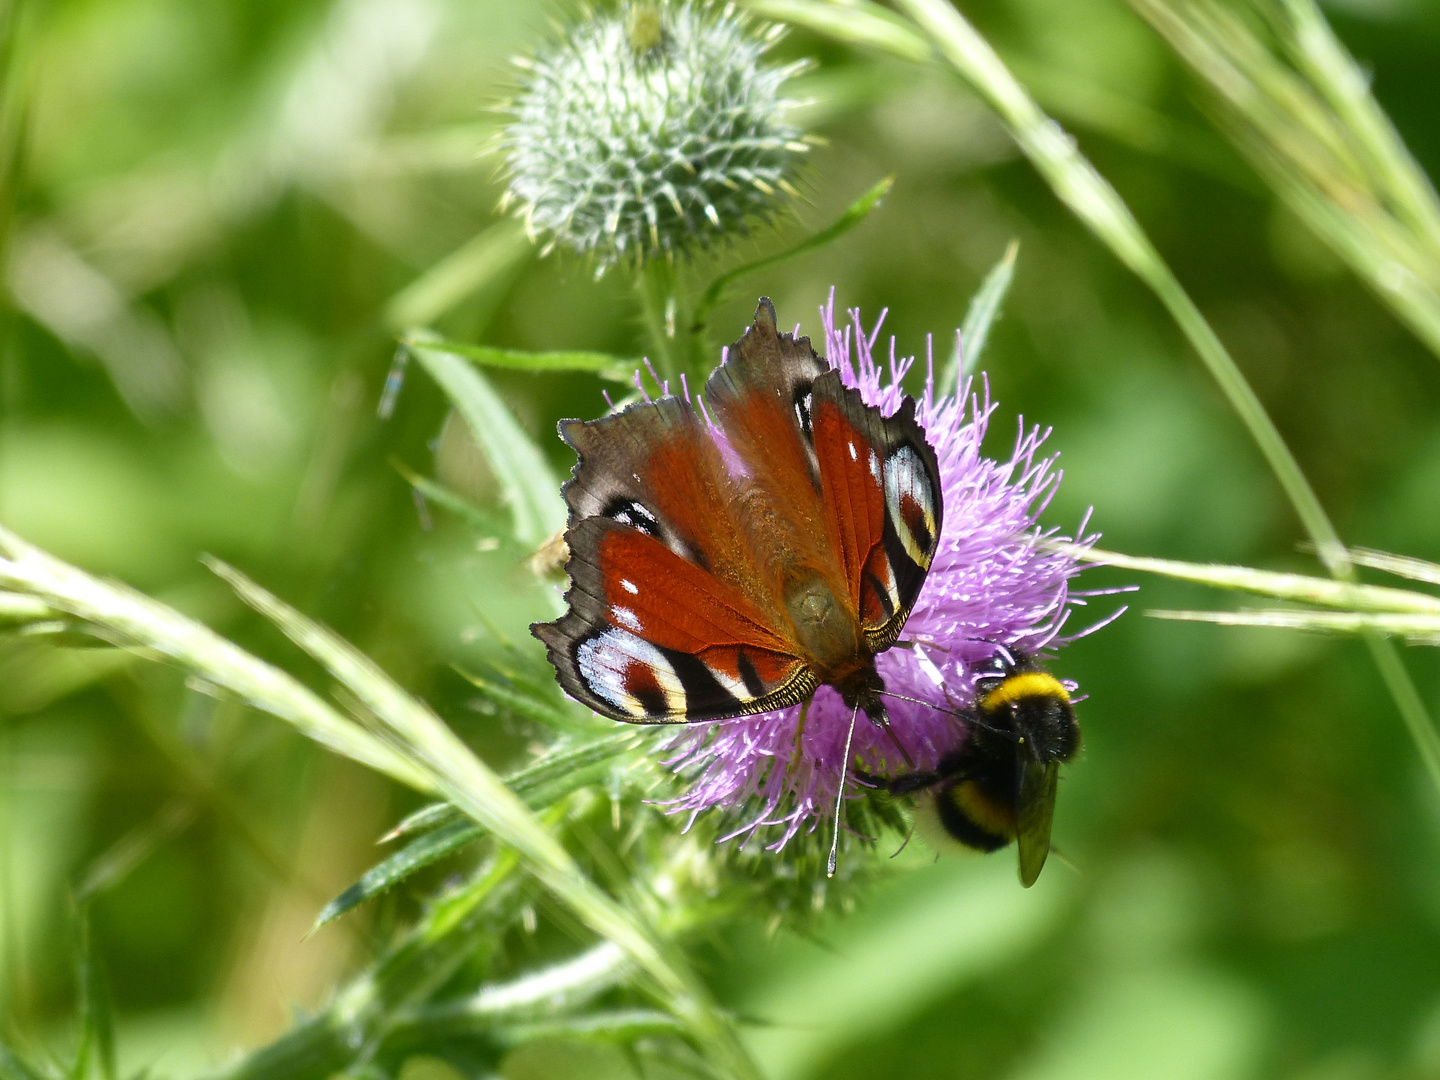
(667, 621)
(650, 637)
(760, 397)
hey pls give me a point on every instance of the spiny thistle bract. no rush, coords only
(650, 131)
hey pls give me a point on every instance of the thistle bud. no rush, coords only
(650, 131)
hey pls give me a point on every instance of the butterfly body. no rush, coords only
(728, 566)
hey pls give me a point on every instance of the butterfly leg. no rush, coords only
(840, 796)
(928, 643)
(896, 740)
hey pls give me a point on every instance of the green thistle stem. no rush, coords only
(658, 286)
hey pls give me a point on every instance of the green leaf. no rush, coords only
(979, 317)
(613, 368)
(425, 741)
(854, 214)
(95, 1054)
(605, 1025)
(527, 705)
(444, 497)
(416, 855)
(545, 782)
(486, 260)
(430, 816)
(531, 490)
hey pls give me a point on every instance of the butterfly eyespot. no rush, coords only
(910, 502)
(630, 674)
(631, 513)
(803, 398)
(630, 587)
(853, 455)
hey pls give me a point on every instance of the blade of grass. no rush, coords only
(863, 25)
(1319, 140)
(531, 491)
(1421, 628)
(852, 216)
(1089, 195)
(95, 1051)
(985, 307)
(1399, 565)
(1334, 72)
(472, 786)
(1282, 586)
(603, 365)
(1079, 185)
(138, 620)
(979, 316)
(1397, 680)
(485, 260)
(17, 609)
(117, 862)
(522, 704)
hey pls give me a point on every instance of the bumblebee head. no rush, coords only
(1026, 702)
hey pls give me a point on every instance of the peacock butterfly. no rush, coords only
(731, 564)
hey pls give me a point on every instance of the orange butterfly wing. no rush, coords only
(683, 541)
(665, 622)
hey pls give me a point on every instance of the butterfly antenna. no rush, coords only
(917, 701)
(840, 795)
(969, 717)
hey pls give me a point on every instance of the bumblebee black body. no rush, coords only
(1000, 785)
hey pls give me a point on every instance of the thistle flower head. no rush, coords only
(649, 131)
(991, 583)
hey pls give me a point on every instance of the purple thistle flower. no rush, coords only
(990, 583)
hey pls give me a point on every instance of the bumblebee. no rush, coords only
(999, 786)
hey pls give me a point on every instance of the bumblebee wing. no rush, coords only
(1034, 813)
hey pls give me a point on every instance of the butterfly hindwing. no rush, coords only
(651, 637)
(666, 620)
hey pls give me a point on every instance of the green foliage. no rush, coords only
(213, 229)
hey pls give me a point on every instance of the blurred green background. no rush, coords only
(212, 210)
